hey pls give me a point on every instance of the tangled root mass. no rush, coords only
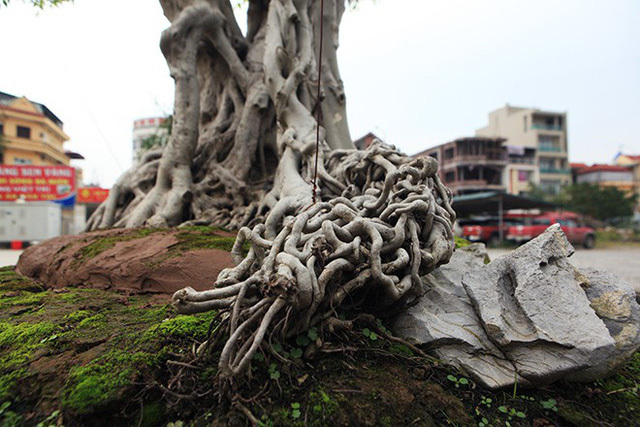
(390, 224)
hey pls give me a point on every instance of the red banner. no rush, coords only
(92, 195)
(35, 183)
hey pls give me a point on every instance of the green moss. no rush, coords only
(152, 414)
(182, 327)
(460, 242)
(23, 299)
(77, 316)
(191, 241)
(104, 380)
(100, 245)
(10, 280)
(95, 321)
(322, 404)
(8, 382)
(24, 333)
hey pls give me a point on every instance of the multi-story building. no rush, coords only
(31, 134)
(536, 143)
(632, 161)
(620, 177)
(470, 165)
(143, 129)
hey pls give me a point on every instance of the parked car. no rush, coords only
(576, 234)
(487, 231)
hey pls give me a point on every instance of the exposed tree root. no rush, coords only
(390, 225)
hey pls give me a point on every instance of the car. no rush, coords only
(576, 234)
(487, 231)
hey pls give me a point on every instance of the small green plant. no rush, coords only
(484, 422)
(296, 353)
(486, 401)
(369, 334)
(295, 413)
(457, 381)
(511, 413)
(274, 374)
(51, 420)
(549, 405)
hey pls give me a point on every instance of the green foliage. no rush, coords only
(295, 413)
(274, 374)
(460, 242)
(458, 381)
(599, 202)
(370, 334)
(549, 404)
(602, 203)
(38, 3)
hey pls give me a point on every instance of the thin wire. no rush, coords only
(315, 173)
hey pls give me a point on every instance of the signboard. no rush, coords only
(92, 195)
(37, 183)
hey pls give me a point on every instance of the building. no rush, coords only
(536, 144)
(470, 165)
(143, 129)
(31, 134)
(632, 161)
(620, 177)
(364, 142)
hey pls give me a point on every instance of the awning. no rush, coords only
(490, 201)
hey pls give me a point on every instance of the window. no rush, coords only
(524, 176)
(21, 161)
(525, 123)
(24, 132)
(1, 129)
(449, 177)
(541, 221)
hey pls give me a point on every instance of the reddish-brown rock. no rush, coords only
(129, 260)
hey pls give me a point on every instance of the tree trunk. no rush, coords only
(243, 148)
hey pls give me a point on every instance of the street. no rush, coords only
(9, 257)
(623, 261)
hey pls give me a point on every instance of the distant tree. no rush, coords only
(602, 203)
(38, 3)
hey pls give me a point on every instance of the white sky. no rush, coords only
(416, 72)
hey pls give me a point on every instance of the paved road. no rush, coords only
(9, 257)
(623, 261)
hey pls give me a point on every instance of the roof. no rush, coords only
(6, 99)
(488, 202)
(578, 165)
(604, 168)
(462, 139)
(364, 141)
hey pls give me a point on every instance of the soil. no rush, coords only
(83, 356)
(138, 260)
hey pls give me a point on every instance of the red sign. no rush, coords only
(34, 183)
(92, 195)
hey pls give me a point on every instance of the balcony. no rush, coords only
(544, 126)
(550, 149)
(555, 170)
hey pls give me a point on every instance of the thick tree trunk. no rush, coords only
(243, 148)
(244, 130)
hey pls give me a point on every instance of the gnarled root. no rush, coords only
(391, 224)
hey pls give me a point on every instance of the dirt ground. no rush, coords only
(623, 261)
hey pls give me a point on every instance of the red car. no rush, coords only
(487, 231)
(576, 233)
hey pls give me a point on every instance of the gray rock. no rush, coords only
(529, 316)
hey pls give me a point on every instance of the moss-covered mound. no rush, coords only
(135, 260)
(93, 357)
